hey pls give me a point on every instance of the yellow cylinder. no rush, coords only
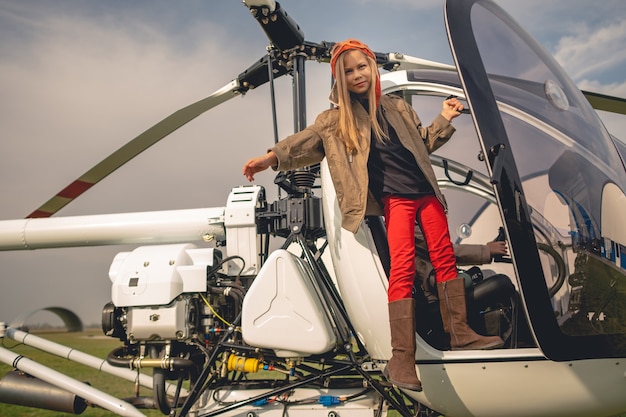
(243, 364)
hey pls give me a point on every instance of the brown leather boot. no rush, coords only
(454, 316)
(400, 369)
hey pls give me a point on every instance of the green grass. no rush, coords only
(91, 342)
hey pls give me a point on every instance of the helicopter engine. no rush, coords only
(155, 294)
(176, 292)
(164, 305)
(177, 307)
(172, 304)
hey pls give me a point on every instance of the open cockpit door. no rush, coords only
(558, 179)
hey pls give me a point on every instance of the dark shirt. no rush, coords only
(393, 170)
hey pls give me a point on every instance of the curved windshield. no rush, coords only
(571, 183)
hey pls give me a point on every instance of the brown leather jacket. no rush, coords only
(349, 173)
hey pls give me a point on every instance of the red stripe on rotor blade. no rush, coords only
(63, 197)
(39, 214)
(75, 189)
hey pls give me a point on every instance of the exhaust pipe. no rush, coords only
(19, 388)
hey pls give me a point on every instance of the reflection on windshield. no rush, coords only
(572, 178)
(533, 84)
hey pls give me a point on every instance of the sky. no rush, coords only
(80, 79)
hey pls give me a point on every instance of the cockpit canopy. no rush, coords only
(556, 177)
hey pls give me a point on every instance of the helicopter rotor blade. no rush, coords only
(607, 103)
(134, 148)
(254, 76)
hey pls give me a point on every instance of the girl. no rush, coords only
(377, 152)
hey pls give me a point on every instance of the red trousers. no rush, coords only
(400, 215)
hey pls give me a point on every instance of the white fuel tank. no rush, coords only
(283, 311)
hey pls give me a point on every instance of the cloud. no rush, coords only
(593, 52)
(612, 89)
(595, 59)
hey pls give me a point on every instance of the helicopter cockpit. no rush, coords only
(559, 183)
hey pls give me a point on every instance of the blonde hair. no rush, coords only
(347, 128)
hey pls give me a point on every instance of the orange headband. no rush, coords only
(349, 44)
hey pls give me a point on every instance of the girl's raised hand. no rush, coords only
(451, 108)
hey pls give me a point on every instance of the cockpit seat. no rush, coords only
(488, 292)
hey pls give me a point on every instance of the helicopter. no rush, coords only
(546, 174)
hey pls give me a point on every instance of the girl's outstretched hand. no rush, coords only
(258, 164)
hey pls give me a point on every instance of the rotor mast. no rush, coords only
(286, 36)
